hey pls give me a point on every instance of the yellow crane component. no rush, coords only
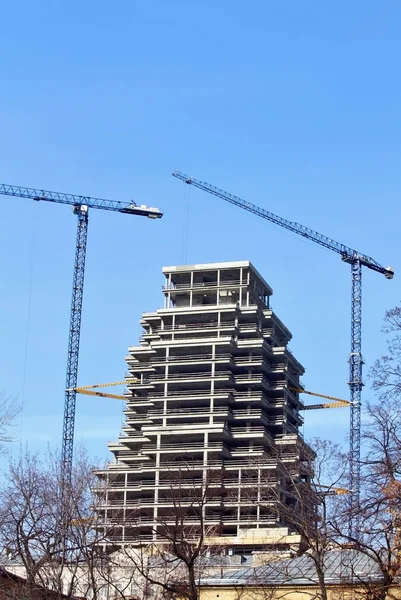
(338, 491)
(337, 402)
(87, 389)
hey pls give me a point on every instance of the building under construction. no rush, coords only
(210, 416)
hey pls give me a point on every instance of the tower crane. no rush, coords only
(356, 260)
(81, 205)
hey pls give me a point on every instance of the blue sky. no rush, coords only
(294, 106)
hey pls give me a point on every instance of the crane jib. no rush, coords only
(80, 206)
(347, 254)
(76, 201)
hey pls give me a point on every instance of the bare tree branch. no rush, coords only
(9, 411)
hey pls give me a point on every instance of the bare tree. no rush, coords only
(385, 373)
(304, 491)
(378, 534)
(9, 410)
(50, 533)
(169, 551)
(379, 512)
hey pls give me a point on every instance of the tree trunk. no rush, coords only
(193, 588)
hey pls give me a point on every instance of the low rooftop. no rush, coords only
(341, 566)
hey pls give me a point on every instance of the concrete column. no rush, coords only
(239, 494)
(205, 452)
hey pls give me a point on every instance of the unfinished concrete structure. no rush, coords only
(212, 408)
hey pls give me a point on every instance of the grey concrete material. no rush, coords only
(202, 370)
(246, 264)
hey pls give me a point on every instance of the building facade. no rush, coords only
(212, 415)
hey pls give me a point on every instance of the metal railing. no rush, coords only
(180, 393)
(248, 327)
(187, 446)
(190, 411)
(248, 360)
(253, 378)
(172, 376)
(253, 394)
(188, 326)
(248, 430)
(252, 412)
(191, 358)
(201, 285)
(248, 451)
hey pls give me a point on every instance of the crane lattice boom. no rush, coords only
(75, 200)
(80, 206)
(347, 254)
(356, 260)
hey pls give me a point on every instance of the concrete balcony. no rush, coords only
(148, 336)
(187, 448)
(250, 396)
(249, 361)
(285, 351)
(135, 419)
(248, 453)
(279, 367)
(207, 339)
(187, 429)
(190, 413)
(252, 379)
(199, 359)
(252, 414)
(190, 394)
(133, 438)
(249, 328)
(137, 401)
(179, 378)
(204, 285)
(144, 384)
(198, 327)
(249, 433)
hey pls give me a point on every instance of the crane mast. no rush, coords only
(74, 334)
(357, 260)
(81, 205)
